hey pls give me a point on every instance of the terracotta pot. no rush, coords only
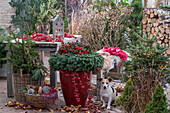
(68, 87)
(43, 28)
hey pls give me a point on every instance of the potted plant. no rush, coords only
(2, 48)
(4, 36)
(45, 15)
(75, 61)
(26, 63)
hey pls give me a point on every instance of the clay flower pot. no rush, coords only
(43, 28)
(75, 87)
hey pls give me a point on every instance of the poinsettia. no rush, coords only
(115, 51)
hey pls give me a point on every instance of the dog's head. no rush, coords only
(105, 82)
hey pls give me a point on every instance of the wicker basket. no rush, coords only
(35, 100)
(41, 101)
(20, 83)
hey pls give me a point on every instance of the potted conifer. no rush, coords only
(75, 61)
(26, 63)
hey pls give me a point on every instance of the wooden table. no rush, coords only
(39, 46)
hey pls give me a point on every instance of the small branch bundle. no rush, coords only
(158, 20)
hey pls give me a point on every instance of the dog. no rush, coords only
(107, 92)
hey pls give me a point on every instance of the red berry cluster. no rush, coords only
(75, 48)
(42, 37)
(69, 35)
(77, 82)
(90, 98)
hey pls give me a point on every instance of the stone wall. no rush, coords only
(5, 14)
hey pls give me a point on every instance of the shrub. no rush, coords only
(158, 103)
(126, 99)
(100, 24)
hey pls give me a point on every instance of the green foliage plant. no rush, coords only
(127, 98)
(47, 12)
(22, 16)
(159, 102)
(134, 21)
(166, 7)
(148, 67)
(24, 59)
(3, 37)
(2, 54)
(76, 57)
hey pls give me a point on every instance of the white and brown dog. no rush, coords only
(107, 92)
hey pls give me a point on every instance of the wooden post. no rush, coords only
(10, 80)
(42, 56)
(98, 86)
(52, 73)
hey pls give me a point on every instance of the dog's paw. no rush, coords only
(103, 106)
(108, 107)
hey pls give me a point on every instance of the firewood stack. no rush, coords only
(158, 20)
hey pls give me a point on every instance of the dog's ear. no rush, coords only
(100, 79)
(110, 79)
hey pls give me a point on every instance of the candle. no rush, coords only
(59, 35)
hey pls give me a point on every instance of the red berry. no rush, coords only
(82, 86)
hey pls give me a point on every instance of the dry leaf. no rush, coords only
(40, 110)
(51, 110)
(35, 111)
(85, 109)
(58, 82)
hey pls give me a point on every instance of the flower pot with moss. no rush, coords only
(75, 61)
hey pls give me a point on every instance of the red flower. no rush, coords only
(65, 34)
(80, 53)
(115, 51)
(105, 48)
(78, 48)
(25, 38)
(98, 69)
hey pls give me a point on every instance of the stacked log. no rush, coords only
(157, 20)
